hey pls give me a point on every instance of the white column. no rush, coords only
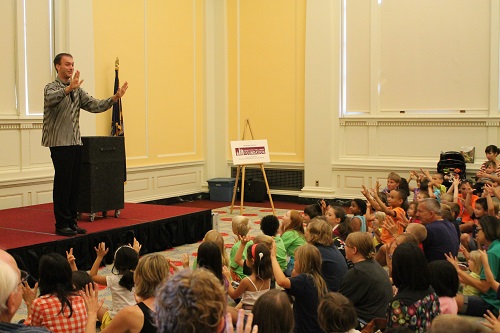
(216, 134)
(322, 96)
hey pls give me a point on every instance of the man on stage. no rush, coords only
(63, 99)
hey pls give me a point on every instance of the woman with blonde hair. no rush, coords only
(152, 270)
(367, 284)
(333, 264)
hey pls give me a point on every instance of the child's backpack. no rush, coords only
(451, 163)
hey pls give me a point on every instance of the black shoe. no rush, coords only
(65, 232)
(78, 230)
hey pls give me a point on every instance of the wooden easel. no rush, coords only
(241, 168)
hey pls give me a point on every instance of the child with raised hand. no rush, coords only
(418, 178)
(80, 278)
(240, 228)
(377, 222)
(259, 282)
(475, 266)
(247, 243)
(121, 282)
(395, 214)
(435, 186)
(395, 200)
(306, 285)
(482, 207)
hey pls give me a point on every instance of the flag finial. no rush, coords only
(117, 64)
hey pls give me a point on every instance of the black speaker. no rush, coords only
(255, 190)
(102, 174)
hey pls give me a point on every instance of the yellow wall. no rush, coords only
(160, 46)
(266, 43)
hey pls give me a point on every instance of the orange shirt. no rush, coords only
(463, 212)
(385, 236)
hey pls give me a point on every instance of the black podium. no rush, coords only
(102, 175)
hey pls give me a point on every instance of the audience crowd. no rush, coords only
(412, 257)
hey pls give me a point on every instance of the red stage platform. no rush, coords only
(29, 232)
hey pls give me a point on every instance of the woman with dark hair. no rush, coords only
(272, 312)
(487, 236)
(59, 307)
(491, 152)
(415, 304)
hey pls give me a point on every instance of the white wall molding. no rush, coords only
(422, 122)
(143, 184)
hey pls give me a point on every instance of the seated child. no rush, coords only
(337, 314)
(490, 168)
(211, 236)
(311, 211)
(358, 209)
(446, 198)
(444, 280)
(240, 228)
(417, 230)
(411, 211)
(259, 282)
(121, 282)
(475, 266)
(436, 187)
(269, 225)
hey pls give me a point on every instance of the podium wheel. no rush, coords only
(117, 213)
(92, 217)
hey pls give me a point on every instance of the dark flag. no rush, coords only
(117, 128)
(117, 118)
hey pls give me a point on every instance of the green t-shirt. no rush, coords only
(280, 252)
(234, 266)
(494, 260)
(292, 239)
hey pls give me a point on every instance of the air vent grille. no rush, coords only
(278, 179)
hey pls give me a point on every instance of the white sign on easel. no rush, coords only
(250, 152)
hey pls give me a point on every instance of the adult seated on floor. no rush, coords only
(488, 236)
(12, 281)
(333, 264)
(416, 304)
(442, 236)
(367, 284)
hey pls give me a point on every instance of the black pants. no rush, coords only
(66, 160)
